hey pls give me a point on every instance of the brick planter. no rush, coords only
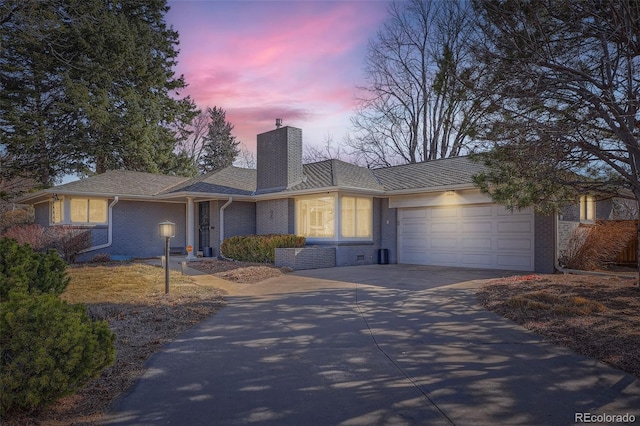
(306, 258)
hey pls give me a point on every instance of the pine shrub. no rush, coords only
(22, 268)
(48, 349)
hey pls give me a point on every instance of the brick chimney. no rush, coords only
(279, 159)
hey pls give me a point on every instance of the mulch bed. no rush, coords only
(240, 272)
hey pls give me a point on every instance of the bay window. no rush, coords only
(317, 217)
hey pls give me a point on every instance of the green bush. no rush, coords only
(48, 349)
(259, 248)
(22, 268)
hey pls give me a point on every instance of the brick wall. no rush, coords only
(306, 258)
(279, 158)
(545, 236)
(389, 229)
(240, 219)
(272, 217)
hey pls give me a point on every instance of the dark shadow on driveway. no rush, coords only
(369, 354)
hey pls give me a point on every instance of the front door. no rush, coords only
(203, 220)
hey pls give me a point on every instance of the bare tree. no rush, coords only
(329, 151)
(414, 106)
(245, 159)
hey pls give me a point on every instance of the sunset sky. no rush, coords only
(262, 60)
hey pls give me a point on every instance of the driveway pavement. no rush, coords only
(369, 345)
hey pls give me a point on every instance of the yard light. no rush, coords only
(167, 230)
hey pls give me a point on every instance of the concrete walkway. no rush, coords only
(371, 345)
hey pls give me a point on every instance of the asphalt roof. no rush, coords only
(122, 182)
(323, 174)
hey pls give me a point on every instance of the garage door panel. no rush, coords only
(476, 243)
(477, 211)
(482, 236)
(444, 212)
(443, 244)
(477, 227)
(443, 227)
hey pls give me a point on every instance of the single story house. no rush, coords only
(427, 213)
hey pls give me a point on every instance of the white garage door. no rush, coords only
(475, 236)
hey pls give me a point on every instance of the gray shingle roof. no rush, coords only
(320, 175)
(430, 174)
(336, 173)
(230, 180)
(122, 182)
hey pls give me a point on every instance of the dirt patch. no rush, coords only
(240, 272)
(596, 316)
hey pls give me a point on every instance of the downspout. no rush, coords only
(109, 232)
(229, 201)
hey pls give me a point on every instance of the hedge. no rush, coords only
(259, 248)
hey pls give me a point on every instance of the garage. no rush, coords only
(476, 236)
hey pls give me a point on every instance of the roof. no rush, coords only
(431, 174)
(230, 180)
(329, 174)
(121, 182)
(337, 173)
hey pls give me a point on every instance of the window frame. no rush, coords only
(66, 216)
(338, 218)
(356, 219)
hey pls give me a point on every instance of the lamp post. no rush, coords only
(167, 230)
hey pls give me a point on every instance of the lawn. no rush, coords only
(597, 316)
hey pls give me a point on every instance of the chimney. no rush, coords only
(279, 159)
(278, 123)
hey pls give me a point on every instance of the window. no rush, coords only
(57, 213)
(587, 207)
(356, 217)
(315, 217)
(80, 210)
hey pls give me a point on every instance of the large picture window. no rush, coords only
(318, 217)
(356, 215)
(315, 217)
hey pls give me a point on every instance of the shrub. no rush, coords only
(23, 269)
(258, 248)
(590, 247)
(48, 349)
(34, 235)
(69, 241)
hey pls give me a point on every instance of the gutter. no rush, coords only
(229, 201)
(110, 231)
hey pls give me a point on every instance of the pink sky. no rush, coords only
(262, 60)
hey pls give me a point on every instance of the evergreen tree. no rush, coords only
(88, 85)
(220, 148)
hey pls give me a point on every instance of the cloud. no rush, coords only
(299, 61)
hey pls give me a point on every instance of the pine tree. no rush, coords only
(220, 148)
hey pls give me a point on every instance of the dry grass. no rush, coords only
(240, 272)
(132, 299)
(597, 316)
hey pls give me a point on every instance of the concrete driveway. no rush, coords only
(369, 345)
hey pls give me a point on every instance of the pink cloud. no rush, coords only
(299, 61)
